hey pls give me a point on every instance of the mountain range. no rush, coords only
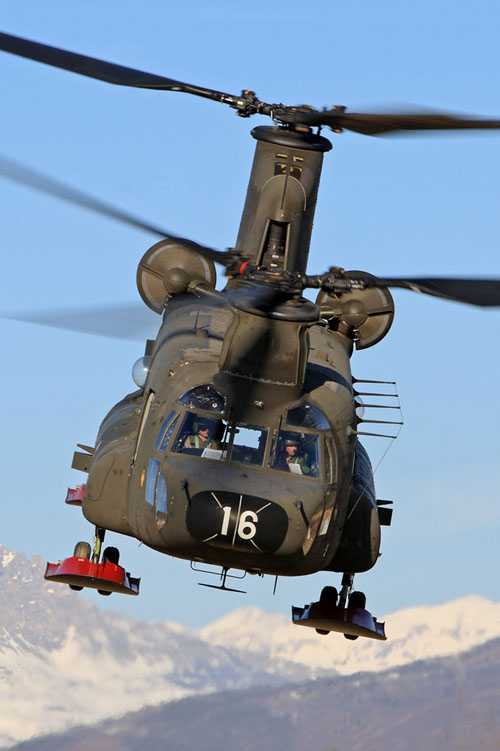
(64, 663)
(445, 704)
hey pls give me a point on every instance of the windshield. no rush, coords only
(201, 436)
(213, 438)
(296, 452)
(249, 444)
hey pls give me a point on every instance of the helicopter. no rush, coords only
(241, 446)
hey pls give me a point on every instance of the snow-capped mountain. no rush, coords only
(413, 634)
(447, 703)
(63, 662)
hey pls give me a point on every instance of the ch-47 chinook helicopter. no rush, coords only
(241, 446)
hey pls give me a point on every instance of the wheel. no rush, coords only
(328, 594)
(112, 555)
(351, 637)
(104, 593)
(82, 550)
(75, 587)
(321, 631)
(357, 600)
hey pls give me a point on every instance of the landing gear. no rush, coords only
(98, 541)
(342, 611)
(353, 599)
(83, 569)
(357, 600)
(328, 594)
(82, 550)
(113, 556)
(347, 582)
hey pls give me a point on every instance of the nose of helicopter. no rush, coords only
(238, 521)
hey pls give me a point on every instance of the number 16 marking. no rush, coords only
(246, 523)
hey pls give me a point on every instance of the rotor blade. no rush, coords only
(378, 124)
(132, 321)
(373, 124)
(101, 69)
(246, 103)
(36, 180)
(482, 292)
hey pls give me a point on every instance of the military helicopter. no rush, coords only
(240, 448)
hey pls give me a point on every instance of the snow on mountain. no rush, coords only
(414, 634)
(63, 662)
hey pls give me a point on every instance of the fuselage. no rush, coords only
(244, 467)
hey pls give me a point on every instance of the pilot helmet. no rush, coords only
(203, 423)
(292, 442)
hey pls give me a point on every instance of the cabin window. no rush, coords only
(163, 429)
(203, 397)
(145, 412)
(307, 416)
(329, 462)
(161, 501)
(168, 435)
(296, 452)
(153, 469)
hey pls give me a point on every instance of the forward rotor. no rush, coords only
(247, 103)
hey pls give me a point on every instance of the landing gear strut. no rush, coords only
(84, 569)
(344, 612)
(346, 597)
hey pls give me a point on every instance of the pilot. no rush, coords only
(293, 458)
(202, 437)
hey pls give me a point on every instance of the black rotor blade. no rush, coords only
(32, 179)
(383, 123)
(101, 69)
(481, 292)
(379, 124)
(132, 321)
(247, 103)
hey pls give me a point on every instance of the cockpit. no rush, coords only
(293, 444)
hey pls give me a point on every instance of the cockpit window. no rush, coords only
(204, 397)
(249, 444)
(201, 436)
(212, 438)
(296, 452)
(307, 416)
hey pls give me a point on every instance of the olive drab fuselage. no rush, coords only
(228, 510)
(260, 381)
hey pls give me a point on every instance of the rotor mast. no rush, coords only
(276, 224)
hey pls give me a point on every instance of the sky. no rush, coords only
(392, 206)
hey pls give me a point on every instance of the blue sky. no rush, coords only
(414, 205)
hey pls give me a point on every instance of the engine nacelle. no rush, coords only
(365, 315)
(167, 268)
